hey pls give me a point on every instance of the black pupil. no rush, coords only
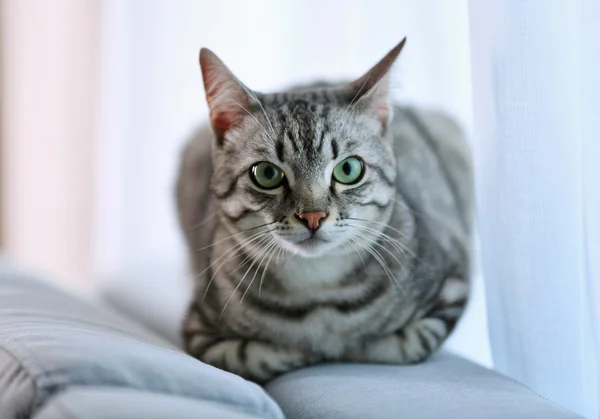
(347, 168)
(269, 172)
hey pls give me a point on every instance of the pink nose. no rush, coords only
(312, 219)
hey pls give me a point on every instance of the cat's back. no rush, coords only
(195, 206)
(434, 170)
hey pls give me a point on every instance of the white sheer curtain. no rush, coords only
(536, 69)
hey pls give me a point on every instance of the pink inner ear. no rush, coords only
(383, 112)
(225, 95)
(223, 120)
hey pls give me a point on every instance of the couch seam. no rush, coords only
(22, 365)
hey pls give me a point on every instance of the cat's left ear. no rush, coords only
(228, 99)
(373, 89)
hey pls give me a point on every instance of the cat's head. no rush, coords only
(309, 170)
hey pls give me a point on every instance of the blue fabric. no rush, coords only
(50, 341)
(125, 403)
(446, 387)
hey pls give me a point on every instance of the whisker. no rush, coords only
(249, 256)
(271, 246)
(265, 114)
(368, 92)
(230, 250)
(206, 220)
(233, 252)
(391, 254)
(377, 256)
(396, 243)
(237, 234)
(352, 101)
(275, 251)
(256, 119)
(402, 233)
(240, 283)
(355, 249)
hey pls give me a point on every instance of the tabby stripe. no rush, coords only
(231, 189)
(279, 148)
(259, 196)
(401, 343)
(245, 212)
(375, 203)
(242, 351)
(356, 191)
(334, 148)
(322, 139)
(300, 312)
(291, 139)
(423, 340)
(381, 174)
(374, 294)
(449, 315)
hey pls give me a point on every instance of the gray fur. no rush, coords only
(389, 289)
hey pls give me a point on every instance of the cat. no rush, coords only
(323, 224)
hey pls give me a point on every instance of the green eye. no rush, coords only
(266, 175)
(349, 170)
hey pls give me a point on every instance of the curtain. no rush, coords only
(536, 74)
(49, 71)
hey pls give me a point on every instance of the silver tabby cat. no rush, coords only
(323, 224)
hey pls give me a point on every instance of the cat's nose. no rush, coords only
(311, 219)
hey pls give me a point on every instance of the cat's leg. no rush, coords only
(255, 360)
(418, 339)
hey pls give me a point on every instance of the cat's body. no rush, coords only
(384, 278)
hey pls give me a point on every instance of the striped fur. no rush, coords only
(389, 279)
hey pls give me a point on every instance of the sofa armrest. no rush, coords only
(445, 387)
(125, 403)
(51, 341)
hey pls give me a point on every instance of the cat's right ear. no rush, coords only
(228, 99)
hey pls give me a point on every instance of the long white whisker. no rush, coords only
(240, 282)
(262, 277)
(256, 119)
(382, 263)
(272, 245)
(346, 114)
(250, 256)
(235, 235)
(397, 244)
(233, 252)
(402, 233)
(375, 243)
(241, 243)
(264, 113)
(206, 220)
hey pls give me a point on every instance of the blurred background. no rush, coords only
(98, 96)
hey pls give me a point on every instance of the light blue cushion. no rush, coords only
(51, 341)
(125, 403)
(446, 387)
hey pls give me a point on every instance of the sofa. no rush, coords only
(69, 357)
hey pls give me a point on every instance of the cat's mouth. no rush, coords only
(312, 245)
(313, 240)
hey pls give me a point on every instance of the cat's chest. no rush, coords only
(301, 275)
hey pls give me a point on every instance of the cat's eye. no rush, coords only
(266, 175)
(349, 170)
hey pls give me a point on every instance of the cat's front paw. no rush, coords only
(254, 360)
(414, 343)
